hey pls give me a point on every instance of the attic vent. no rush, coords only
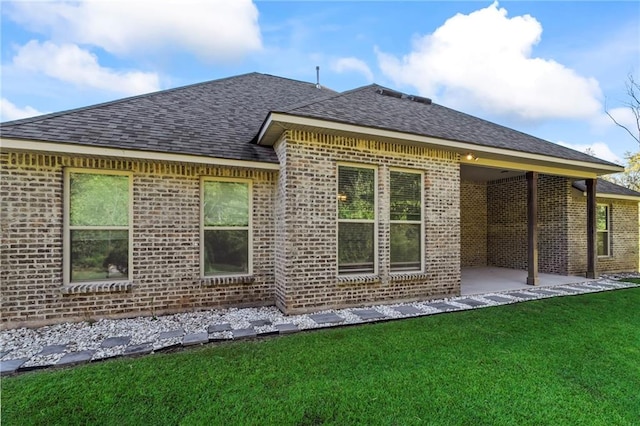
(420, 99)
(392, 93)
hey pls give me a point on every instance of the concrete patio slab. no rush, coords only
(494, 280)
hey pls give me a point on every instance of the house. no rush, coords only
(259, 190)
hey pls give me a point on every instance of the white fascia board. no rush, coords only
(515, 156)
(615, 196)
(75, 149)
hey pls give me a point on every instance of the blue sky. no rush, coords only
(546, 68)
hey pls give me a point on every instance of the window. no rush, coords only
(602, 230)
(97, 226)
(406, 221)
(356, 220)
(226, 227)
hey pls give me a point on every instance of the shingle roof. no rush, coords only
(221, 118)
(366, 106)
(217, 118)
(604, 187)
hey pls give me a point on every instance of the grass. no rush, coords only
(631, 280)
(569, 360)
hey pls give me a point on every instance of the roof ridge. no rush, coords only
(141, 96)
(116, 101)
(334, 95)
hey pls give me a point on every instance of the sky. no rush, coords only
(548, 68)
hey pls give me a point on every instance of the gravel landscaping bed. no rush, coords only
(72, 343)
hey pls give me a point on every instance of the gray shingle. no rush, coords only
(365, 106)
(604, 187)
(219, 118)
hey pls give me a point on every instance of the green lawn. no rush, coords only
(632, 280)
(569, 360)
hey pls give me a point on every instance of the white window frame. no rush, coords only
(248, 228)
(67, 228)
(374, 220)
(607, 231)
(414, 222)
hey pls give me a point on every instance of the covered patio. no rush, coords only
(489, 279)
(518, 228)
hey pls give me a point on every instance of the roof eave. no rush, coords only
(615, 196)
(28, 145)
(277, 122)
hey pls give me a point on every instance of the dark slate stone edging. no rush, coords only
(324, 320)
(73, 358)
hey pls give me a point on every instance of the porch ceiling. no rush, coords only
(486, 174)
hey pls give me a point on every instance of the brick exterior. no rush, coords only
(306, 254)
(562, 217)
(624, 231)
(507, 223)
(473, 224)
(166, 274)
(294, 233)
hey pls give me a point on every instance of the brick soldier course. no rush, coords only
(287, 138)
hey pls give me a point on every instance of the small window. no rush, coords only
(406, 221)
(602, 230)
(356, 220)
(226, 227)
(98, 226)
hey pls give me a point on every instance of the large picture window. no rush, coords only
(98, 226)
(356, 220)
(406, 221)
(602, 230)
(226, 227)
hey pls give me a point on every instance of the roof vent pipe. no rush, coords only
(317, 77)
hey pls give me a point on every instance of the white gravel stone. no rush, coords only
(27, 343)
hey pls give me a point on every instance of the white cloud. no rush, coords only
(70, 63)
(9, 111)
(212, 29)
(352, 65)
(597, 149)
(484, 60)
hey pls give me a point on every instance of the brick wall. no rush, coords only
(473, 224)
(165, 273)
(507, 223)
(306, 254)
(624, 235)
